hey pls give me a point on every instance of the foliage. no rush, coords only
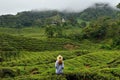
(105, 46)
(95, 65)
(6, 72)
(118, 6)
(102, 28)
(31, 44)
(97, 10)
(43, 18)
(83, 24)
(116, 42)
(53, 31)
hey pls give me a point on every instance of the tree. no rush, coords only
(116, 42)
(98, 29)
(118, 6)
(49, 30)
(83, 24)
(53, 31)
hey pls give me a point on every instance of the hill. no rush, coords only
(98, 10)
(42, 18)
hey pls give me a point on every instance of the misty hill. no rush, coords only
(98, 10)
(43, 18)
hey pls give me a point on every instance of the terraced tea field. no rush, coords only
(39, 65)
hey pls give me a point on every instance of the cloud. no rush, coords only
(14, 6)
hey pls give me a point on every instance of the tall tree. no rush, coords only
(118, 6)
(49, 30)
(53, 31)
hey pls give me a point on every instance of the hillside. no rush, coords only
(9, 43)
(98, 10)
(87, 65)
(89, 42)
(28, 57)
(42, 18)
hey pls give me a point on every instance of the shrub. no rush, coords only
(1, 59)
(116, 43)
(105, 46)
(5, 72)
(89, 76)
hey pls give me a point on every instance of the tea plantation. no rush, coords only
(33, 58)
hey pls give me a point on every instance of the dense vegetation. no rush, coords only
(89, 41)
(43, 18)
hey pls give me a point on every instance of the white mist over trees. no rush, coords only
(14, 6)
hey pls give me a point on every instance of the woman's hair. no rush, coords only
(60, 62)
(60, 59)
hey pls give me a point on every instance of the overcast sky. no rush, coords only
(14, 6)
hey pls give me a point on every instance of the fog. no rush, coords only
(14, 6)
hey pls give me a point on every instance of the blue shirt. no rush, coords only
(59, 67)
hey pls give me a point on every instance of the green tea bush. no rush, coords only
(81, 52)
(89, 76)
(32, 44)
(105, 46)
(116, 43)
(7, 72)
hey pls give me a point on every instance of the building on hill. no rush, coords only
(63, 20)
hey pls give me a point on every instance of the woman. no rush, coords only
(59, 65)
